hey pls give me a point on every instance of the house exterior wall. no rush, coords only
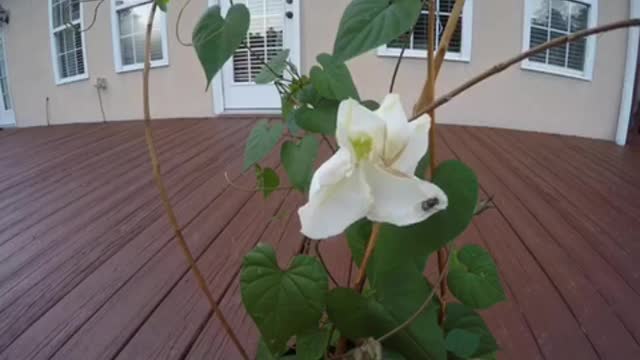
(177, 90)
(518, 98)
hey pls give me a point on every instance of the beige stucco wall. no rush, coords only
(178, 90)
(517, 98)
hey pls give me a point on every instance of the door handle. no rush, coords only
(289, 14)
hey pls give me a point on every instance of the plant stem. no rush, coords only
(326, 268)
(362, 270)
(520, 57)
(420, 309)
(395, 70)
(449, 30)
(157, 175)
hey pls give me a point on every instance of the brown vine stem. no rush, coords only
(247, 189)
(326, 268)
(420, 310)
(362, 270)
(498, 68)
(448, 32)
(157, 175)
(182, 42)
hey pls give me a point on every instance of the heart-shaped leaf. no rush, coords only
(282, 303)
(462, 343)
(397, 245)
(397, 297)
(273, 68)
(320, 119)
(267, 180)
(162, 4)
(367, 24)
(215, 38)
(310, 345)
(261, 141)
(462, 318)
(473, 278)
(298, 160)
(333, 80)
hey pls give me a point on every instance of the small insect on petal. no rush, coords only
(430, 203)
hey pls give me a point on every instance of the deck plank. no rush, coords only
(89, 268)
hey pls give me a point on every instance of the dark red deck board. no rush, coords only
(89, 268)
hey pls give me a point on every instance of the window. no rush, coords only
(129, 21)
(67, 41)
(460, 45)
(550, 19)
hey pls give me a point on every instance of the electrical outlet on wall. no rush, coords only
(101, 83)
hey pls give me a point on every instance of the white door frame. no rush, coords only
(628, 86)
(216, 83)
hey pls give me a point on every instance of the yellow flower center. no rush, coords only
(362, 146)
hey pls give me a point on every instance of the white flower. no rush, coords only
(372, 173)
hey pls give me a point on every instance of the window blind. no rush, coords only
(264, 39)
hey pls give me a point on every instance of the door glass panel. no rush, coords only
(265, 38)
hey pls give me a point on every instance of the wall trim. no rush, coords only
(628, 86)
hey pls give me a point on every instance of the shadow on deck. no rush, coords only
(88, 268)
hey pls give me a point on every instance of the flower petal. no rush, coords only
(356, 121)
(417, 144)
(332, 171)
(398, 130)
(337, 199)
(402, 200)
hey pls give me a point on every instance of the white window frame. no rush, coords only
(590, 49)
(115, 36)
(54, 53)
(465, 50)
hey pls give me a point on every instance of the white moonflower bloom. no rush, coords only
(372, 173)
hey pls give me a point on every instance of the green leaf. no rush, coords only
(311, 344)
(333, 80)
(463, 318)
(367, 24)
(261, 141)
(371, 105)
(162, 4)
(282, 303)
(320, 119)
(473, 278)
(462, 343)
(267, 179)
(397, 245)
(298, 160)
(391, 355)
(287, 114)
(309, 95)
(215, 38)
(422, 167)
(273, 68)
(357, 237)
(263, 352)
(398, 296)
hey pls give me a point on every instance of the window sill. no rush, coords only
(72, 79)
(421, 54)
(139, 67)
(556, 70)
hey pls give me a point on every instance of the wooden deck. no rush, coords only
(88, 268)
